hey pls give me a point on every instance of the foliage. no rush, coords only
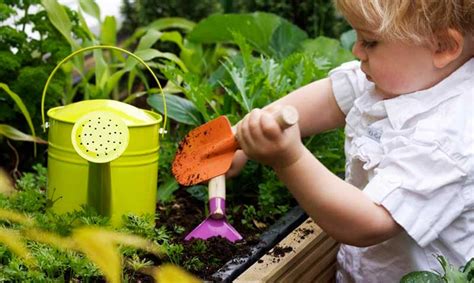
(451, 274)
(143, 12)
(243, 82)
(267, 33)
(315, 17)
(26, 58)
(39, 245)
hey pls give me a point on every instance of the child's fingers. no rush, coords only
(269, 127)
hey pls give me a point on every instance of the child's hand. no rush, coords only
(263, 140)
(238, 163)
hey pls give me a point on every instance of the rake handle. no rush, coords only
(286, 117)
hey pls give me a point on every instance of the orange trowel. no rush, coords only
(207, 151)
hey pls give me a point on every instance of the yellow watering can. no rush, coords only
(102, 153)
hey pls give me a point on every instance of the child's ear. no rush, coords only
(448, 48)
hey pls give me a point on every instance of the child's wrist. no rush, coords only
(289, 158)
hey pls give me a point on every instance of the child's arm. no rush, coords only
(316, 106)
(317, 109)
(341, 209)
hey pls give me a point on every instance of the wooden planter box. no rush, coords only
(309, 255)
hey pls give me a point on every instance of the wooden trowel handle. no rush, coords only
(216, 188)
(286, 117)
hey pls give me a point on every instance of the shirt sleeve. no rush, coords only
(421, 187)
(348, 83)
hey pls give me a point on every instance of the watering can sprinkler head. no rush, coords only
(100, 136)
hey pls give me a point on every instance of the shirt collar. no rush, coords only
(404, 107)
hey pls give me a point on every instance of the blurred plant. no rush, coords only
(317, 18)
(45, 246)
(142, 12)
(451, 274)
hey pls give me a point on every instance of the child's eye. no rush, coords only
(369, 43)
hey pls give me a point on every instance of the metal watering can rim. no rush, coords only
(140, 60)
(154, 117)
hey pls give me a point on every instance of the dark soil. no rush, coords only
(188, 212)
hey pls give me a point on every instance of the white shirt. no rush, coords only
(414, 155)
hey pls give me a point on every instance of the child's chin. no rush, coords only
(384, 94)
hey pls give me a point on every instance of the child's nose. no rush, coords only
(359, 51)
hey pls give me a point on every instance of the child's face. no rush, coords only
(396, 68)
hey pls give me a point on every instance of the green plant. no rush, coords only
(43, 246)
(143, 12)
(315, 17)
(451, 274)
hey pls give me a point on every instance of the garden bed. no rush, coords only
(224, 261)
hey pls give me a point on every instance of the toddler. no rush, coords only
(407, 108)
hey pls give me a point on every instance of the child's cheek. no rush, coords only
(395, 83)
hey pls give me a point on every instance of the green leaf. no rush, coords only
(286, 39)
(108, 33)
(60, 20)
(199, 192)
(329, 49)
(348, 39)
(150, 54)
(179, 109)
(169, 23)
(165, 191)
(14, 134)
(267, 33)
(22, 107)
(173, 36)
(91, 8)
(113, 81)
(468, 269)
(149, 39)
(451, 274)
(422, 277)
(101, 69)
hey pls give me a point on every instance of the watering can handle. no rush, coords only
(93, 48)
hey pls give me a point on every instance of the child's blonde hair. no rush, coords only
(417, 21)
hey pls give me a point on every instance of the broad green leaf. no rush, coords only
(422, 277)
(91, 8)
(286, 39)
(14, 134)
(60, 20)
(150, 54)
(262, 31)
(14, 241)
(165, 191)
(348, 39)
(169, 273)
(173, 36)
(179, 109)
(329, 49)
(149, 39)
(22, 107)
(108, 33)
(170, 23)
